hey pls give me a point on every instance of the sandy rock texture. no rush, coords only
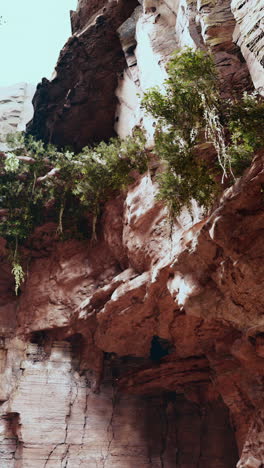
(144, 349)
(154, 32)
(118, 50)
(16, 108)
(77, 106)
(249, 35)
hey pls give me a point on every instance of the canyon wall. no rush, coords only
(146, 348)
(16, 109)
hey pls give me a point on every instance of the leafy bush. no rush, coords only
(190, 92)
(35, 177)
(189, 113)
(183, 177)
(190, 88)
(245, 121)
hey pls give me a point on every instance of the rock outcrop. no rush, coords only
(16, 109)
(146, 348)
(249, 35)
(85, 376)
(119, 50)
(78, 106)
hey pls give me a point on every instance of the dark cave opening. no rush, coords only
(160, 348)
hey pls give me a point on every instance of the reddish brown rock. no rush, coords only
(171, 374)
(144, 349)
(77, 107)
(79, 313)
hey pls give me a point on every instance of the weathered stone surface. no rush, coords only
(79, 302)
(252, 455)
(16, 109)
(171, 373)
(108, 429)
(249, 35)
(144, 349)
(159, 29)
(77, 106)
(217, 26)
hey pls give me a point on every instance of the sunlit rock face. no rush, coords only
(249, 35)
(117, 52)
(154, 31)
(16, 108)
(144, 349)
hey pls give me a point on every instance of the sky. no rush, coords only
(32, 34)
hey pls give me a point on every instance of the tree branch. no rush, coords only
(26, 159)
(52, 173)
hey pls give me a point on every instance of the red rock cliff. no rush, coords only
(145, 349)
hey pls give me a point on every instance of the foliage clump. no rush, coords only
(191, 117)
(36, 179)
(245, 123)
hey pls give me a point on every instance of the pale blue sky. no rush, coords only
(33, 33)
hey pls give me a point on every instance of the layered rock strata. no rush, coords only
(78, 106)
(249, 35)
(146, 348)
(83, 349)
(16, 109)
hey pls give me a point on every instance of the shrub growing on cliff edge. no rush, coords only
(245, 121)
(36, 180)
(190, 115)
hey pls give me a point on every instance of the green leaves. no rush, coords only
(11, 163)
(37, 181)
(185, 177)
(190, 87)
(189, 114)
(245, 120)
(181, 119)
(34, 175)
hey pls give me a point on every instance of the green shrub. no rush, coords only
(182, 114)
(189, 113)
(184, 177)
(245, 121)
(34, 176)
(190, 89)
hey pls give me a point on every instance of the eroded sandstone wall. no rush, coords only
(16, 109)
(56, 419)
(145, 349)
(82, 382)
(119, 50)
(249, 35)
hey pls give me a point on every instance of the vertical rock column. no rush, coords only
(249, 35)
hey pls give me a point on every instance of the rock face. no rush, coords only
(249, 35)
(117, 51)
(78, 106)
(16, 108)
(146, 348)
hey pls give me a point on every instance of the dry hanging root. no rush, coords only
(215, 132)
(19, 275)
(17, 270)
